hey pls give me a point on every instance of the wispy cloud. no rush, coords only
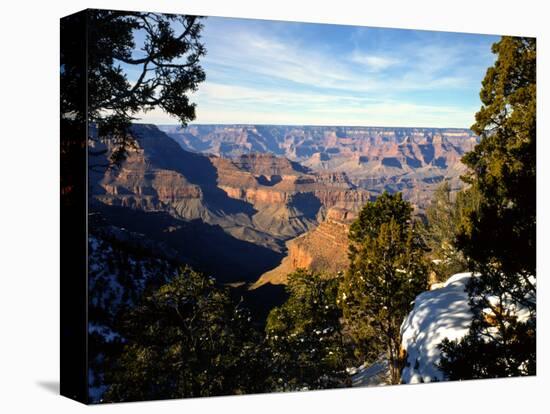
(279, 72)
(373, 62)
(238, 104)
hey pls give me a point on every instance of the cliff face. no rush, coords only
(258, 198)
(323, 249)
(410, 160)
(266, 179)
(139, 185)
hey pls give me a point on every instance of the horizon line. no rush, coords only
(298, 125)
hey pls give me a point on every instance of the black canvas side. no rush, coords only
(73, 127)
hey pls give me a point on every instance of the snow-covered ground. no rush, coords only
(375, 374)
(437, 314)
(443, 312)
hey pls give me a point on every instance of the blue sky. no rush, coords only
(269, 72)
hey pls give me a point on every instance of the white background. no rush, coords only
(29, 215)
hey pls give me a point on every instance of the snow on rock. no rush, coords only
(437, 314)
(375, 374)
(118, 275)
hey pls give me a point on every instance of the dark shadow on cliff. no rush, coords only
(164, 153)
(427, 151)
(269, 181)
(307, 203)
(207, 248)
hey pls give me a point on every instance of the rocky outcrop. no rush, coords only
(266, 179)
(445, 312)
(323, 249)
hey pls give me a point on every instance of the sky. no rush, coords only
(272, 72)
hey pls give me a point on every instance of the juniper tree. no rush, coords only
(500, 236)
(387, 271)
(445, 217)
(187, 339)
(135, 61)
(304, 335)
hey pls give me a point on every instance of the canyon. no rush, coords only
(322, 250)
(251, 203)
(411, 160)
(228, 216)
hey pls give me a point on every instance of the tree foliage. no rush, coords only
(387, 271)
(446, 216)
(503, 164)
(373, 215)
(304, 335)
(479, 356)
(187, 339)
(500, 238)
(162, 50)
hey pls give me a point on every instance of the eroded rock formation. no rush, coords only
(323, 249)
(260, 198)
(410, 160)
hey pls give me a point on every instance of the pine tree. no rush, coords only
(503, 164)
(387, 271)
(187, 339)
(500, 236)
(304, 335)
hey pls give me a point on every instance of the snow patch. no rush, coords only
(366, 376)
(437, 314)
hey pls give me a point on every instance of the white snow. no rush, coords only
(437, 314)
(366, 376)
(443, 312)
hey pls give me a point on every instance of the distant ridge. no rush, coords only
(412, 160)
(163, 126)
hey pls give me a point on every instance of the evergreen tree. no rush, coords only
(387, 271)
(503, 164)
(445, 217)
(304, 335)
(187, 339)
(162, 49)
(500, 236)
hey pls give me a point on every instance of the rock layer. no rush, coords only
(323, 249)
(410, 160)
(260, 198)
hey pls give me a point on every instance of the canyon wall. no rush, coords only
(411, 160)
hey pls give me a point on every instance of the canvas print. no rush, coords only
(254, 206)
